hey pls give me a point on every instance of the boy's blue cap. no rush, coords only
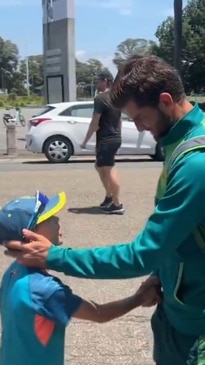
(27, 212)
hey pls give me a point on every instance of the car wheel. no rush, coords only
(159, 153)
(58, 149)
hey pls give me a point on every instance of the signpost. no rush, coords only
(59, 50)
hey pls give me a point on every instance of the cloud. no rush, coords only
(123, 7)
(168, 12)
(107, 62)
(80, 54)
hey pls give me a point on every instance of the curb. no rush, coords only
(20, 160)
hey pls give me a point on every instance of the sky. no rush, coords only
(100, 24)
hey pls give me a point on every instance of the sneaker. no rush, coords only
(107, 201)
(113, 209)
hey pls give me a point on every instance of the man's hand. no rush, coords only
(83, 146)
(33, 254)
(150, 292)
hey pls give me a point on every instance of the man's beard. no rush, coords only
(165, 124)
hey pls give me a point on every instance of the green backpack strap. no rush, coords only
(184, 147)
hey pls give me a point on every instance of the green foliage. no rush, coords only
(193, 45)
(130, 47)
(12, 101)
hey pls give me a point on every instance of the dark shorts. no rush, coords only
(172, 347)
(106, 151)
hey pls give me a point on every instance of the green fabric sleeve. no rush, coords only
(175, 217)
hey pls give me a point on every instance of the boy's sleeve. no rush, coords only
(52, 299)
(61, 305)
(175, 217)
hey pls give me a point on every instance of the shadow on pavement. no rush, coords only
(85, 161)
(36, 162)
(86, 210)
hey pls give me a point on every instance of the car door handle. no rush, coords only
(72, 121)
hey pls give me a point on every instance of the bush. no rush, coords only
(2, 103)
(12, 100)
(12, 97)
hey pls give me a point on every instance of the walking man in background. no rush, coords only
(106, 123)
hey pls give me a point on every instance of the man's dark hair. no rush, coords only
(105, 75)
(143, 79)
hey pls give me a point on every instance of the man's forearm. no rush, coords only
(114, 262)
(92, 129)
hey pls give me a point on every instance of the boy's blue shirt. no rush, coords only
(167, 243)
(35, 309)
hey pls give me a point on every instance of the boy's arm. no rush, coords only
(102, 313)
(62, 305)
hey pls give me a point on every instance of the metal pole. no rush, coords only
(92, 91)
(27, 76)
(178, 7)
(11, 148)
(2, 79)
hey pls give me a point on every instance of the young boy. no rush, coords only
(36, 306)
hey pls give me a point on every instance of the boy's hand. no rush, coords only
(150, 292)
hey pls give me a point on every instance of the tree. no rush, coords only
(35, 67)
(85, 74)
(8, 62)
(82, 73)
(95, 65)
(86, 70)
(165, 36)
(193, 45)
(130, 47)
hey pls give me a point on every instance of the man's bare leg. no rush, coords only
(104, 181)
(109, 177)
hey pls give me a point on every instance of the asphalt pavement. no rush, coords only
(28, 164)
(125, 341)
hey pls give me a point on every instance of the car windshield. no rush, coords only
(43, 110)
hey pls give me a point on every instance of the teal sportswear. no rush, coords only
(167, 244)
(35, 309)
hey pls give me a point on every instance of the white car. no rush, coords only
(59, 129)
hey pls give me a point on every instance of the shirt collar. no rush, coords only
(184, 125)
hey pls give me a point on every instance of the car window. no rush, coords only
(82, 112)
(79, 111)
(44, 110)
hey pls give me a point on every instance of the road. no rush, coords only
(126, 341)
(74, 164)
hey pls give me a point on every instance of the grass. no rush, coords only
(12, 101)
